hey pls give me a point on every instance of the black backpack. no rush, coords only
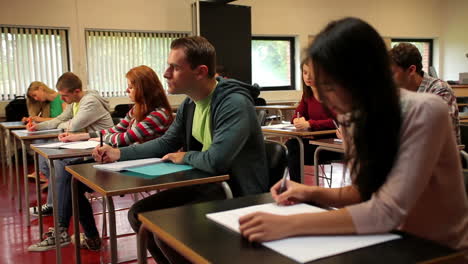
(16, 109)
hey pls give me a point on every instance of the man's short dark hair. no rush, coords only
(69, 82)
(198, 51)
(406, 54)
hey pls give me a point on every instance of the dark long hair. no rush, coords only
(306, 90)
(351, 53)
(149, 92)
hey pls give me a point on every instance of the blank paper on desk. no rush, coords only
(306, 248)
(160, 168)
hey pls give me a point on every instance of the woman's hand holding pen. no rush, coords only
(301, 123)
(30, 126)
(106, 154)
(294, 193)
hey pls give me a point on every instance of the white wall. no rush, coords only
(454, 41)
(440, 19)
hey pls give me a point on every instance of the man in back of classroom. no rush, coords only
(216, 127)
(407, 72)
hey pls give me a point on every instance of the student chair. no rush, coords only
(277, 160)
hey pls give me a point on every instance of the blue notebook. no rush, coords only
(158, 169)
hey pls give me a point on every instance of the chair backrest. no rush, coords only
(121, 110)
(261, 117)
(277, 154)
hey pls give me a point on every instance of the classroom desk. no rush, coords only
(278, 108)
(298, 135)
(24, 137)
(51, 155)
(108, 184)
(187, 230)
(327, 144)
(5, 133)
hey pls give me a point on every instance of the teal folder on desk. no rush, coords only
(158, 169)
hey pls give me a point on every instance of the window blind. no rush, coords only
(31, 54)
(111, 54)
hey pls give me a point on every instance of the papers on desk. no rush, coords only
(152, 167)
(71, 145)
(55, 130)
(125, 165)
(280, 126)
(306, 248)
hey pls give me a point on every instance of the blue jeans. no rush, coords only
(63, 187)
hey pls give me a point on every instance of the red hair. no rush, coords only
(149, 92)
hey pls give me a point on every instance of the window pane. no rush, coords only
(28, 55)
(424, 48)
(110, 55)
(271, 62)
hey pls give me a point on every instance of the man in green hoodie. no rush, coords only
(216, 127)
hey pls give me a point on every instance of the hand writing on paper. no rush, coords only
(176, 157)
(260, 226)
(301, 123)
(30, 126)
(106, 154)
(295, 193)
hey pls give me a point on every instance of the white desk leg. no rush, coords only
(18, 187)
(26, 183)
(9, 162)
(38, 194)
(58, 252)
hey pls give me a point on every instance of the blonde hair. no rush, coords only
(36, 107)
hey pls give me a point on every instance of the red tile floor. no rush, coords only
(16, 236)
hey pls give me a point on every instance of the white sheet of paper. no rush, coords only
(81, 145)
(279, 126)
(123, 165)
(55, 130)
(71, 145)
(51, 145)
(306, 248)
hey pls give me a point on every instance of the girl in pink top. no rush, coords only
(400, 149)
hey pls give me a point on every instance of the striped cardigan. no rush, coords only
(129, 131)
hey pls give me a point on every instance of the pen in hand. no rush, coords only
(100, 137)
(283, 183)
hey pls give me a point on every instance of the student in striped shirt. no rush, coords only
(148, 119)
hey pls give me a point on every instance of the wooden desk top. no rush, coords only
(13, 125)
(459, 86)
(58, 153)
(274, 107)
(327, 142)
(24, 135)
(109, 183)
(191, 233)
(294, 132)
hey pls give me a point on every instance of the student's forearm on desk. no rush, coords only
(330, 222)
(335, 197)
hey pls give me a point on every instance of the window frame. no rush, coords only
(42, 30)
(421, 40)
(292, 50)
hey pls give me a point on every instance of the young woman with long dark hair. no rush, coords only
(402, 153)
